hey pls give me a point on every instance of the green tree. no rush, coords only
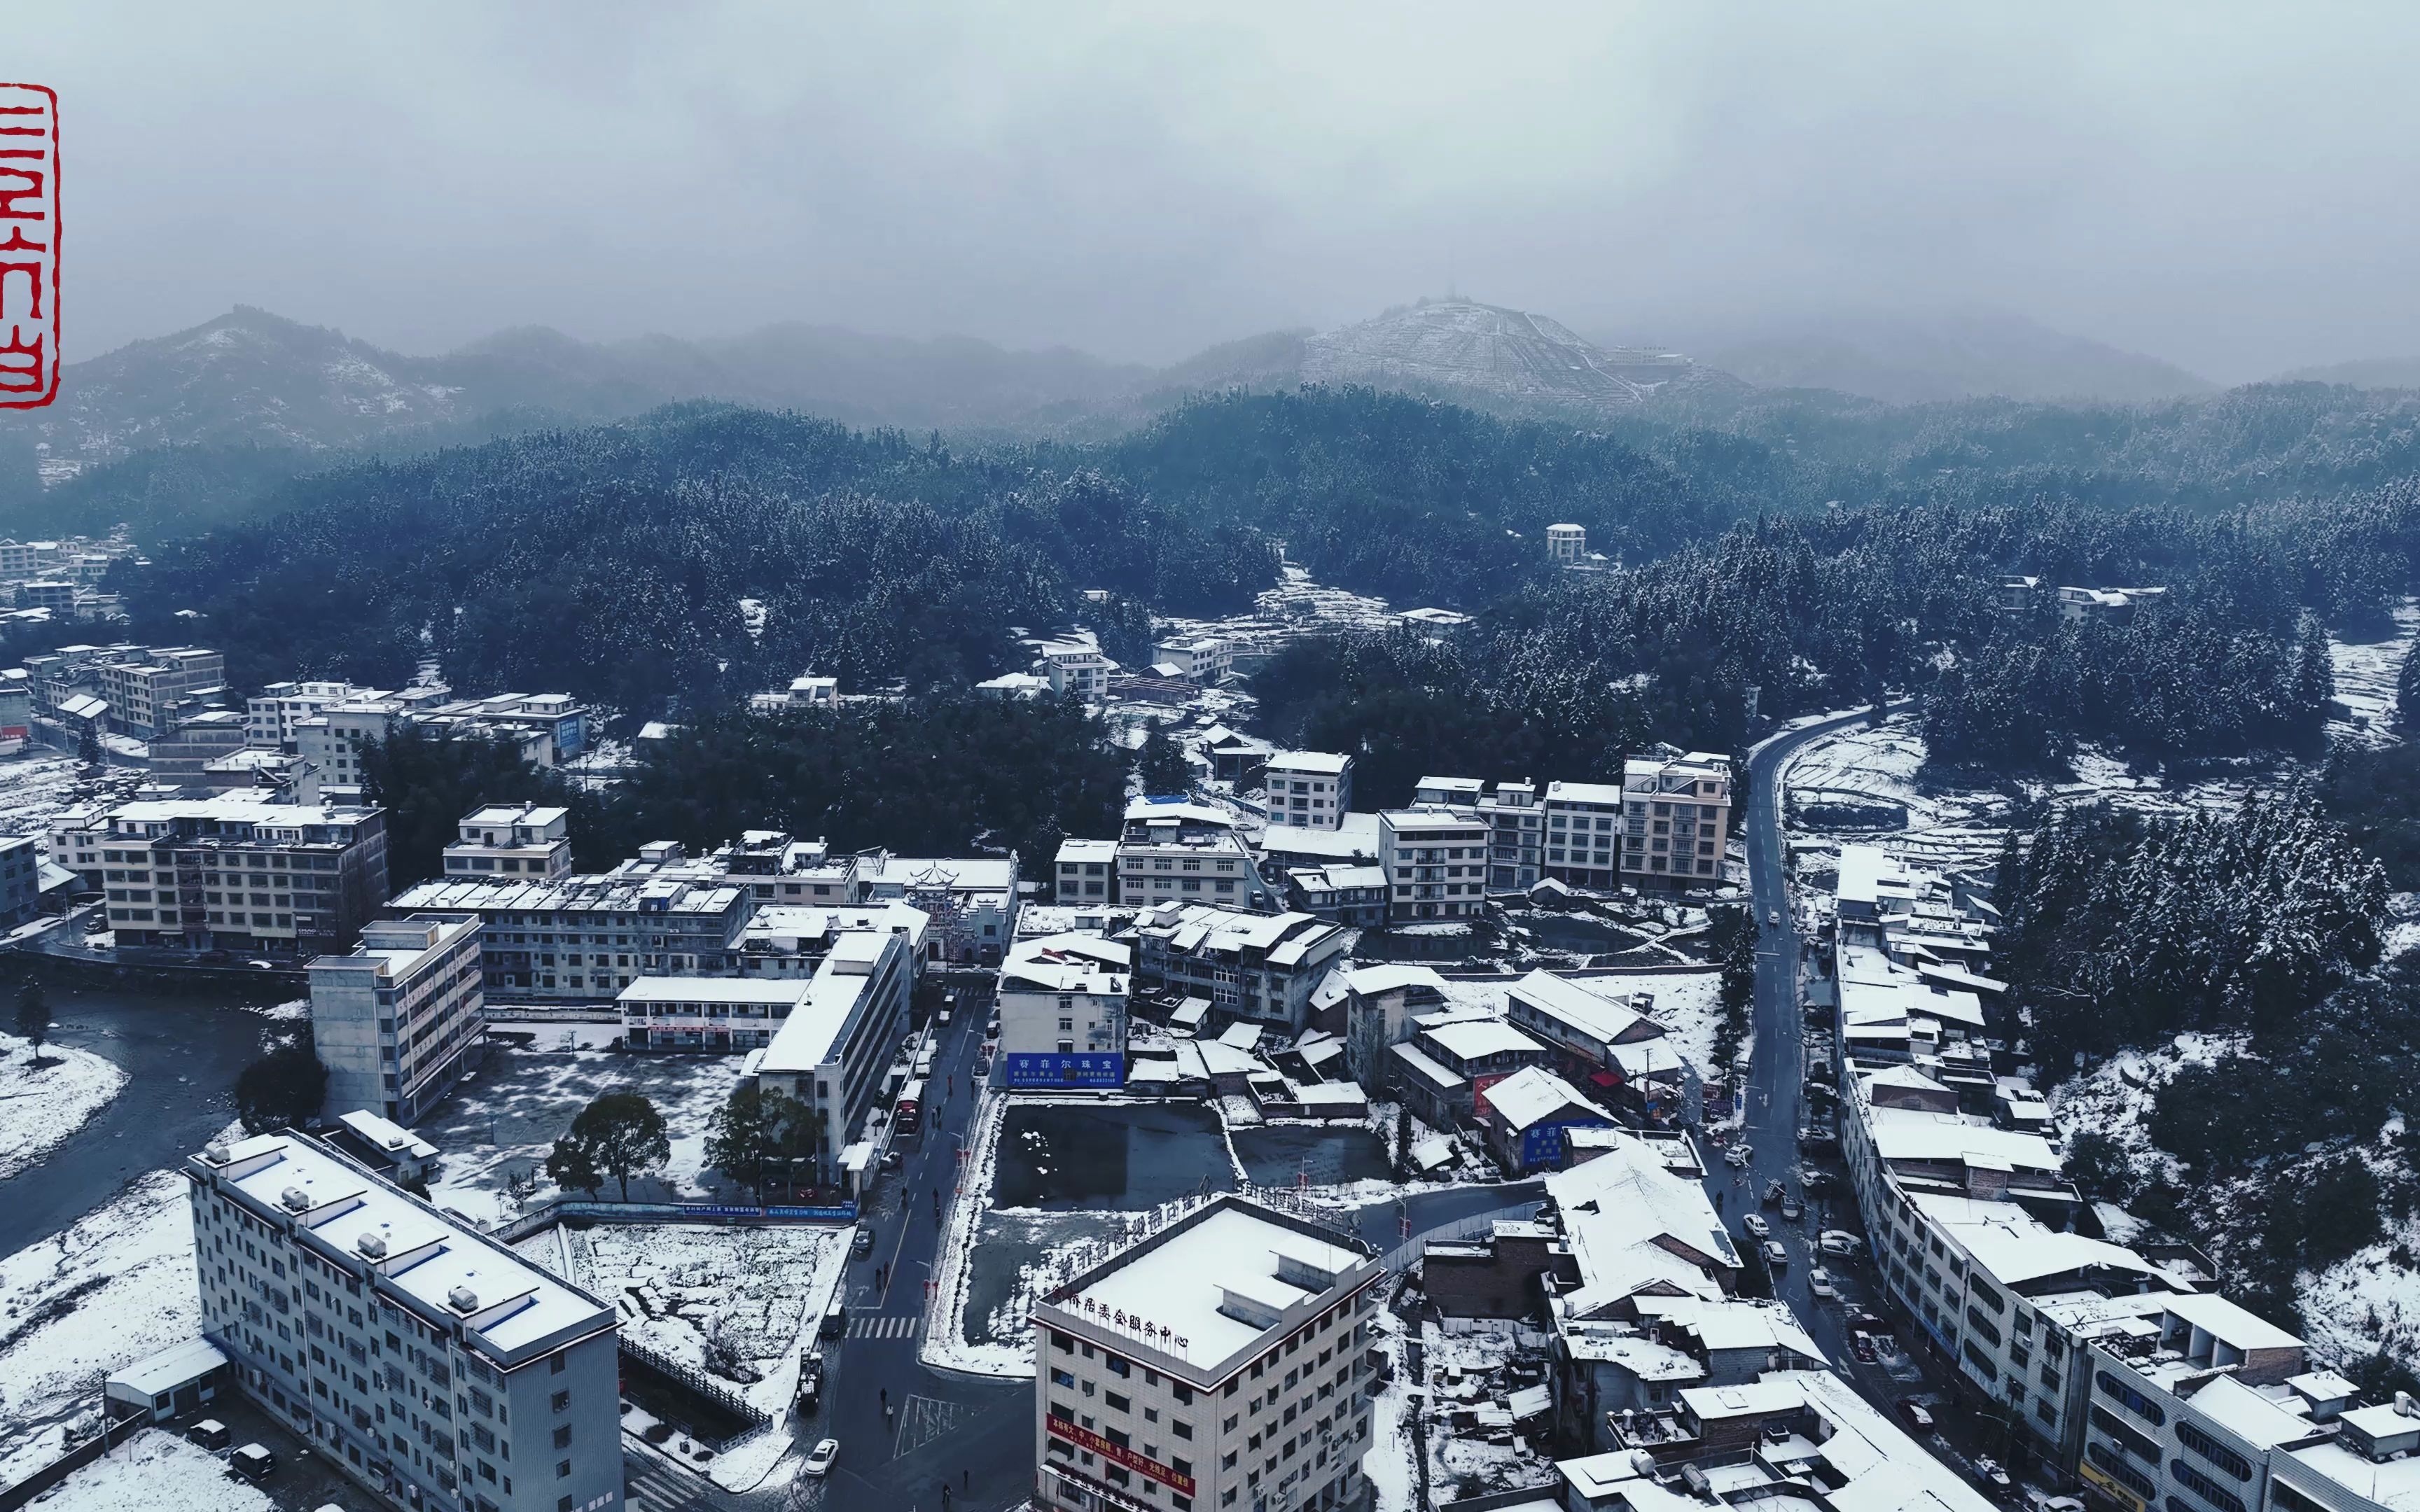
(88, 744)
(573, 1168)
(2407, 691)
(33, 1019)
(755, 1132)
(427, 784)
(1160, 765)
(1402, 1143)
(620, 1135)
(285, 1086)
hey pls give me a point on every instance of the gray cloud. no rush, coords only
(2227, 186)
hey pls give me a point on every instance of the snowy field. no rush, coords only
(41, 1105)
(1295, 606)
(2114, 1098)
(2368, 1302)
(155, 1471)
(735, 1303)
(2365, 681)
(505, 1117)
(113, 1288)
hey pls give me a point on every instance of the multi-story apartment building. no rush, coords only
(1062, 1011)
(1258, 966)
(512, 840)
(583, 938)
(21, 879)
(1515, 852)
(230, 873)
(1171, 851)
(1353, 895)
(150, 692)
(182, 757)
(1676, 818)
(1078, 670)
(1436, 861)
(1384, 1005)
(272, 714)
(430, 1365)
(16, 710)
(1087, 872)
(396, 1019)
(1583, 833)
(1308, 788)
(1215, 1366)
(831, 1053)
(1566, 543)
(553, 726)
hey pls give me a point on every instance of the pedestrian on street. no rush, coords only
(963, 1474)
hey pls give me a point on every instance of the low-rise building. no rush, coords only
(1436, 861)
(583, 938)
(1078, 670)
(148, 693)
(1526, 1115)
(397, 1019)
(1599, 1038)
(1308, 788)
(1566, 543)
(523, 840)
(1355, 896)
(1172, 851)
(1087, 872)
(1062, 1011)
(1201, 658)
(711, 1014)
(972, 900)
(1262, 967)
(21, 879)
(1218, 1364)
(1382, 1006)
(419, 1358)
(786, 940)
(274, 715)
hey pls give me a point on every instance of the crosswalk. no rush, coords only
(650, 1485)
(886, 1325)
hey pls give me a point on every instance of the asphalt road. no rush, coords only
(1775, 1101)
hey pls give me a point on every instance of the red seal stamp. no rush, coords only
(29, 246)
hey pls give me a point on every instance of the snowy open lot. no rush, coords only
(41, 1104)
(115, 1287)
(155, 1471)
(734, 1303)
(505, 1117)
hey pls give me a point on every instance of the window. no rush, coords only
(2133, 1401)
(563, 1470)
(1114, 1403)
(1062, 1378)
(2107, 1461)
(562, 1403)
(2202, 1486)
(562, 1436)
(2216, 1453)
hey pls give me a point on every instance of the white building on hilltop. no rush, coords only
(1218, 1364)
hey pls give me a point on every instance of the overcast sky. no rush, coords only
(2227, 186)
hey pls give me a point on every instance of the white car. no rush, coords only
(1819, 1281)
(1841, 1243)
(819, 1461)
(1754, 1223)
(1737, 1155)
(1775, 1254)
(1773, 918)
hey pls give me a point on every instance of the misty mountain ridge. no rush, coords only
(1457, 345)
(2362, 373)
(1944, 355)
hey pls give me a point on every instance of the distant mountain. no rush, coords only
(2365, 373)
(1460, 346)
(1905, 359)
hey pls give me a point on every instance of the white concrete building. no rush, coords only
(1436, 861)
(233, 873)
(395, 1020)
(713, 1013)
(1078, 670)
(1204, 658)
(1062, 1011)
(1087, 872)
(1308, 788)
(271, 715)
(1172, 851)
(422, 1360)
(832, 1051)
(1216, 1365)
(1566, 543)
(512, 840)
(1264, 967)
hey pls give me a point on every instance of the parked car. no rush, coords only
(819, 1460)
(1994, 1477)
(210, 1434)
(1791, 1209)
(1737, 1155)
(1819, 1281)
(1773, 1192)
(1839, 1242)
(1775, 1254)
(253, 1462)
(1861, 1344)
(1920, 1417)
(1754, 1223)
(863, 1242)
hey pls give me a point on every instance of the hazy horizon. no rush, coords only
(2222, 189)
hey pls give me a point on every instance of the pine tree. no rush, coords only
(88, 744)
(33, 1016)
(1160, 765)
(2407, 691)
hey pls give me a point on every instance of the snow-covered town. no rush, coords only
(762, 758)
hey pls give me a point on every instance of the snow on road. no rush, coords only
(155, 1471)
(115, 1287)
(43, 1103)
